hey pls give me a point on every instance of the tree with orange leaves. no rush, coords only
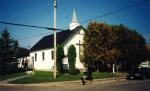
(110, 44)
(100, 43)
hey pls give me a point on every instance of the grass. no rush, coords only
(44, 76)
(7, 76)
(100, 75)
(120, 74)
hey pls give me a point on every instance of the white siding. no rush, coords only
(48, 63)
(75, 40)
(40, 64)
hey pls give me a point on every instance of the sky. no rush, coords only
(40, 13)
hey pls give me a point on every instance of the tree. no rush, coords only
(72, 60)
(60, 55)
(71, 56)
(99, 44)
(8, 47)
(132, 46)
(113, 44)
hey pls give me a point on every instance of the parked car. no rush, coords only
(139, 74)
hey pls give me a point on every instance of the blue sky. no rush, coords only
(40, 13)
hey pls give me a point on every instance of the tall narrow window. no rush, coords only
(35, 56)
(43, 56)
(52, 54)
(32, 62)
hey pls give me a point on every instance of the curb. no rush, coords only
(64, 82)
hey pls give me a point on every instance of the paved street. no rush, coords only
(121, 85)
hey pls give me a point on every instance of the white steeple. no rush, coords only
(74, 22)
(74, 17)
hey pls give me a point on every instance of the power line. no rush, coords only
(23, 38)
(17, 24)
(112, 12)
(115, 11)
(109, 13)
(118, 10)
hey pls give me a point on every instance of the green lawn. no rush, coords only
(7, 76)
(45, 76)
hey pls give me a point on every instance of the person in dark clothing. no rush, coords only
(89, 73)
(83, 78)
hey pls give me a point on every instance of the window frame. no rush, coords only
(35, 56)
(52, 54)
(43, 56)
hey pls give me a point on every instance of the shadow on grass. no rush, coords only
(60, 74)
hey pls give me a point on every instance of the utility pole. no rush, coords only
(55, 39)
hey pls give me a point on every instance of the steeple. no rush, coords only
(74, 17)
(74, 22)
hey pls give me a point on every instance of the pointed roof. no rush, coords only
(74, 17)
(48, 41)
(74, 23)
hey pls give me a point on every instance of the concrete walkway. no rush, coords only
(12, 79)
(5, 82)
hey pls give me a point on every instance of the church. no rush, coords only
(42, 53)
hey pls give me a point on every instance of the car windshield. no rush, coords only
(143, 70)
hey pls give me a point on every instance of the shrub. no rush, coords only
(74, 71)
(66, 71)
(71, 56)
(60, 56)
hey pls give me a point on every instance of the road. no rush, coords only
(119, 85)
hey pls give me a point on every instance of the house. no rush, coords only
(23, 57)
(145, 64)
(42, 53)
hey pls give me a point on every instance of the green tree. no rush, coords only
(113, 44)
(132, 46)
(72, 60)
(71, 56)
(8, 47)
(60, 55)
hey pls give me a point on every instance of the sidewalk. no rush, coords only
(12, 79)
(58, 83)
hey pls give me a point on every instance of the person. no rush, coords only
(83, 78)
(89, 73)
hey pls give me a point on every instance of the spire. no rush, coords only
(74, 23)
(74, 17)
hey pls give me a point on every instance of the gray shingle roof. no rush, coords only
(48, 41)
(22, 52)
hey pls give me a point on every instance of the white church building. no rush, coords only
(42, 53)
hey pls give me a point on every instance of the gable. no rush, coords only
(48, 41)
(74, 34)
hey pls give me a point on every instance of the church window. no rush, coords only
(43, 55)
(35, 56)
(52, 54)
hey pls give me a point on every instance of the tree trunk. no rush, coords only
(113, 68)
